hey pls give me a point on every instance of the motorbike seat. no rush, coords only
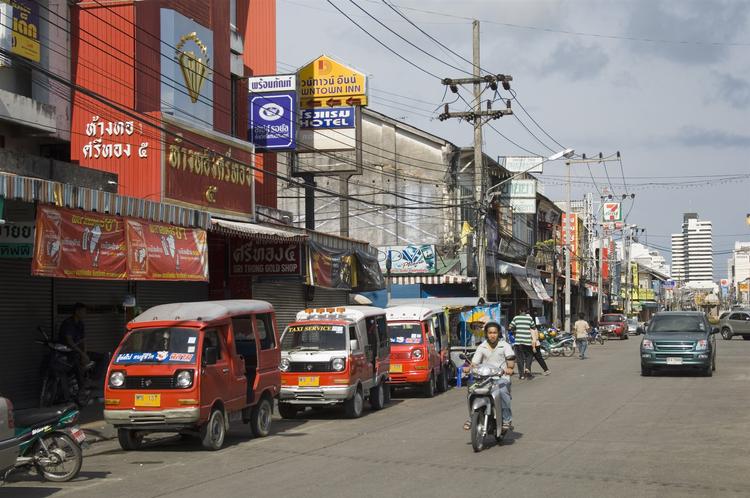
(41, 416)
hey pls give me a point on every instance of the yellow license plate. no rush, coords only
(308, 381)
(147, 400)
(397, 368)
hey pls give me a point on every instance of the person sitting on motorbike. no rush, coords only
(72, 334)
(496, 352)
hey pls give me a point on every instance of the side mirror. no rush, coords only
(715, 330)
(210, 355)
(353, 344)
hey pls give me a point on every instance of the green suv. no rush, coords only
(679, 340)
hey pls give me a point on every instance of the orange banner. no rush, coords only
(79, 244)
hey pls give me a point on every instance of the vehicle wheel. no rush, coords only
(442, 382)
(129, 439)
(288, 410)
(600, 339)
(726, 334)
(354, 405)
(260, 418)
(377, 397)
(62, 459)
(713, 364)
(708, 372)
(477, 430)
(624, 336)
(746, 337)
(214, 431)
(49, 392)
(645, 371)
(429, 388)
(568, 350)
(386, 393)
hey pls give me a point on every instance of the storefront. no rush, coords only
(88, 261)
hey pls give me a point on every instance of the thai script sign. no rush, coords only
(249, 257)
(276, 83)
(325, 82)
(272, 119)
(528, 164)
(23, 24)
(79, 244)
(337, 117)
(17, 240)
(96, 148)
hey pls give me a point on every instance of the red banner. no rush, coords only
(165, 252)
(80, 244)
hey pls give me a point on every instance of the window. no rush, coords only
(736, 316)
(233, 13)
(264, 324)
(383, 341)
(211, 339)
(244, 340)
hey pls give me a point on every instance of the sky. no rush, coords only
(665, 82)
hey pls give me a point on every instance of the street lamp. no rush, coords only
(481, 259)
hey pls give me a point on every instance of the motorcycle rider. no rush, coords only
(73, 335)
(496, 352)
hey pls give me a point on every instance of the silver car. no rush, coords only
(8, 441)
(737, 322)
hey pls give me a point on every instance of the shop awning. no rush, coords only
(536, 282)
(520, 275)
(268, 232)
(431, 279)
(64, 195)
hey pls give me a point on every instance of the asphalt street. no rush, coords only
(592, 428)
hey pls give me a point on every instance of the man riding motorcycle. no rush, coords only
(498, 353)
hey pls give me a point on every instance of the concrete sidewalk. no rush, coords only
(93, 424)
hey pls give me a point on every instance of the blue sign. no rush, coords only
(328, 117)
(272, 120)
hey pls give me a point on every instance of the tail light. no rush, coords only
(11, 422)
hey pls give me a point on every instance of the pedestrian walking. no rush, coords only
(522, 324)
(536, 350)
(581, 333)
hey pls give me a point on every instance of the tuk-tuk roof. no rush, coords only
(203, 311)
(350, 313)
(412, 312)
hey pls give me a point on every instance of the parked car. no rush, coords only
(735, 323)
(193, 367)
(419, 347)
(633, 326)
(614, 324)
(679, 340)
(333, 356)
(8, 440)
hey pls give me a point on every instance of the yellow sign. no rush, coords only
(325, 82)
(25, 33)
(744, 287)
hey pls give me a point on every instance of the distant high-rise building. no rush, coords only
(692, 251)
(739, 271)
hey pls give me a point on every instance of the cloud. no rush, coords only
(576, 61)
(693, 26)
(734, 91)
(702, 137)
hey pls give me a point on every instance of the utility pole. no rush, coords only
(477, 116)
(600, 277)
(629, 274)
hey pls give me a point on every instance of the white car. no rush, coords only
(8, 441)
(633, 326)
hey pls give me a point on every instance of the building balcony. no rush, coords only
(27, 112)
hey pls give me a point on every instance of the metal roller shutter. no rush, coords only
(287, 299)
(328, 297)
(25, 304)
(148, 294)
(105, 317)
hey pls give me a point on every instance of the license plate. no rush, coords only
(78, 435)
(674, 361)
(147, 400)
(308, 381)
(397, 368)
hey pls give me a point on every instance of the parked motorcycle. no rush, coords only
(556, 344)
(51, 442)
(595, 336)
(485, 405)
(59, 380)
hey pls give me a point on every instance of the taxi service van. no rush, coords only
(335, 355)
(192, 368)
(420, 349)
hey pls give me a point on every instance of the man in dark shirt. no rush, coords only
(73, 335)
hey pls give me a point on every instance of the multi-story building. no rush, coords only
(739, 272)
(692, 251)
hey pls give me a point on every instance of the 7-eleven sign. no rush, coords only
(611, 212)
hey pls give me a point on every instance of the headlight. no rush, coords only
(116, 379)
(647, 344)
(184, 379)
(338, 364)
(284, 364)
(702, 345)
(417, 354)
